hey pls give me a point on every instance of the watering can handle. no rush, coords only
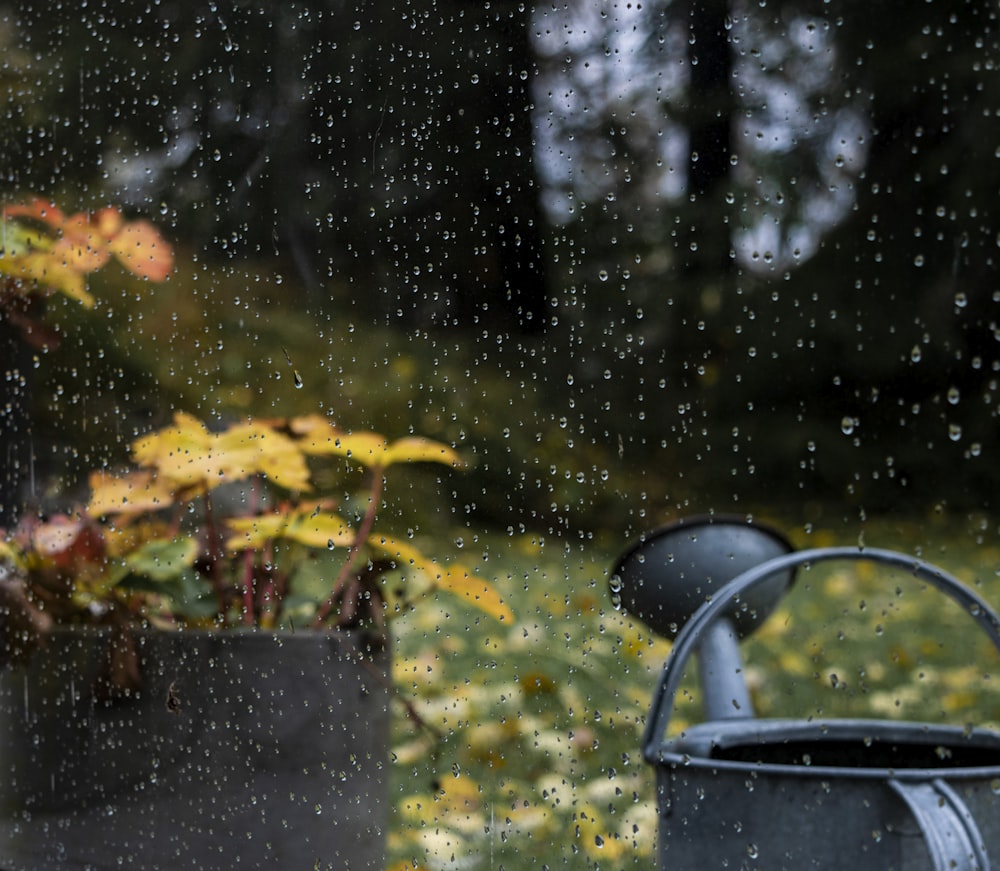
(950, 833)
(691, 634)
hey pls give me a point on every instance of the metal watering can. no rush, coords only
(737, 792)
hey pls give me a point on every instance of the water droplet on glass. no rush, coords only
(847, 425)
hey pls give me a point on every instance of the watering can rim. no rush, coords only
(682, 750)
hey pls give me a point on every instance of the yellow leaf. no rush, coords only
(454, 579)
(82, 254)
(141, 249)
(320, 437)
(366, 448)
(48, 271)
(306, 525)
(179, 452)
(134, 493)
(252, 448)
(475, 590)
(189, 456)
(420, 450)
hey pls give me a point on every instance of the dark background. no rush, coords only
(725, 255)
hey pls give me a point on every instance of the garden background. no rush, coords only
(634, 262)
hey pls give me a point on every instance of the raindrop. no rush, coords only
(603, 275)
(847, 425)
(953, 396)
(954, 431)
(615, 585)
(915, 354)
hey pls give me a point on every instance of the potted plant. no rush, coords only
(197, 658)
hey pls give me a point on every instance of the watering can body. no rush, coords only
(792, 794)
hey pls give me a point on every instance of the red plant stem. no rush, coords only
(250, 608)
(267, 603)
(214, 561)
(248, 603)
(364, 530)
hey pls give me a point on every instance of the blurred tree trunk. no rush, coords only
(477, 221)
(704, 267)
(521, 284)
(710, 112)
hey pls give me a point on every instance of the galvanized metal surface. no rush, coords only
(240, 750)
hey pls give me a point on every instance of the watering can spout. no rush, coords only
(669, 573)
(720, 667)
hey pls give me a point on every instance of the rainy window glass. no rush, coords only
(387, 385)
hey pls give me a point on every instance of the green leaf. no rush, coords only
(186, 591)
(163, 559)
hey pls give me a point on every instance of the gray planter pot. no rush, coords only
(240, 749)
